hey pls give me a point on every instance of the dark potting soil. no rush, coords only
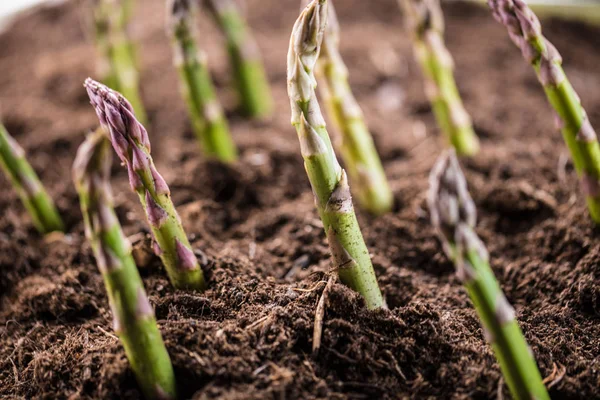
(250, 334)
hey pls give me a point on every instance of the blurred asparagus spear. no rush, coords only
(525, 30)
(27, 184)
(248, 69)
(328, 180)
(131, 143)
(453, 214)
(133, 316)
(205, 111)
(426, 22)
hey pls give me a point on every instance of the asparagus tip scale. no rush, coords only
(187, 259)
(311, 143)
(156, 214)
(340, 201)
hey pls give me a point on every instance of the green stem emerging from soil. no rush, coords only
(27, 184)
(250, 76)
(357, 148)
(205, 111)
(525, 30)
(328, 180)
(133, 316)
(131, 143)
(426, 21)
(453, 214)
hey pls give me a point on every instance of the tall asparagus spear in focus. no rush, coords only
(27, 184)
(133, 315)
(426, 21)
(205, 111)
(525, 30)
(328, 180)
(453, 214)
(250, 76)
(130, 141)
(111, 20)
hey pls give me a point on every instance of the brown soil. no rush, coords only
(250, 334)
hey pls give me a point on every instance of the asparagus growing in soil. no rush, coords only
(453, 214)
(426, 21)
(27, 184)
(133, 317)
(327, 178)
(525, 30)
(205, 111)
(130, 141)
(356, 146)
(248, 69)
(111, 20)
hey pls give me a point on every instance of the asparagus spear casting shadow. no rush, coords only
(525, 30)
(133, 316)
(327, 178)
(27, 184)
(426, 22)
(453, 214)
(130, 141)
(356, 143)
(204, 108)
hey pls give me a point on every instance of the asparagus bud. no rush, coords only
(356, 145)
(27, 184)
(453, 215)
(248, 69)
(133, 316)
(130, 141)
(328, 180)
(205, 111)
(117, 63)
(426, 22)
(525, 30)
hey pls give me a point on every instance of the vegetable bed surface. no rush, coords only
(257, 231)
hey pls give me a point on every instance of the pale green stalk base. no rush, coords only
(248, 69)
(445, 100)
(36, 200)
(510, 347)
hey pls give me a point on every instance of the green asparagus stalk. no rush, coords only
(426, 21)
(246, 61)
(328, 180)
(27, 184)
(357, 148)
(116, 50)
(205, 111)
(525, 30)
(453, 214)
(133, 316)
(130, 141)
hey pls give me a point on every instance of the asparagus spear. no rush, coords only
(453, 214)
(327, 178)
(525, 30)
(357, 148)
(426, 21)
(118, 67)
(27, 184)
(248, 69)
(133, 316)
(207, 116)
(130, 141)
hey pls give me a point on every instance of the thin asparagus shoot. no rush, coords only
(209, 123)
(571, 119)
(131, 143)
(112, 19)
(36, 200)
(133, 316)
(426, 23)
(328, 180)
(245, 57)
(356, 145)
(454, 216)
